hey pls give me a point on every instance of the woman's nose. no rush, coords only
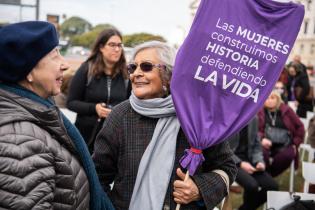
(64, 64)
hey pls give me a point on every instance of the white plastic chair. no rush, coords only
(309, 149)
(309, 115)
(292, 170)
(277, 199)
(306, 124)
(308, 173)
(292, 105)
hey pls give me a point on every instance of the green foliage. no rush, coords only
(87, 39)
(74, 26)
(135, 39)
(101, 27)
(81, 33)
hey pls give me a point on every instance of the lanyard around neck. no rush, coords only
(272, 118)
(109, 83)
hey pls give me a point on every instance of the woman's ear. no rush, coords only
(101, 47)
(164, 88)
(29, 78)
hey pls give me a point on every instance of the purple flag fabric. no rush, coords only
(228, 65)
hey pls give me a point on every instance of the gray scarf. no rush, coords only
(157, 162)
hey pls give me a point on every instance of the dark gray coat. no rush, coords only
(39, 168)
(121, 144)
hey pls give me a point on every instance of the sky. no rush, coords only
(168, 18)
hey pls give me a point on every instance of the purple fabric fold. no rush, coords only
(191, 161)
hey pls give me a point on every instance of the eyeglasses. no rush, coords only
(115, 45)
(55, 52)
(144, 66)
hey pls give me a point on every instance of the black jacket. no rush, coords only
(85, 93)
(301, 89)
(301, 81)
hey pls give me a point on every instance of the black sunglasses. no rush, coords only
(144, 66)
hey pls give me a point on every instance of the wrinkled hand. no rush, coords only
(246, 166)
(260, 166)
(101, 111)
(266, 143)
(185, 192)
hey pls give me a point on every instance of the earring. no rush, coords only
(30, 80)
(164, 88)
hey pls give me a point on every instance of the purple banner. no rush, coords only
(228, 65)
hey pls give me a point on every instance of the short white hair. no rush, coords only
(165, 53)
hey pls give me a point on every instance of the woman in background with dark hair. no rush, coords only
(99, 84)
(299, 89)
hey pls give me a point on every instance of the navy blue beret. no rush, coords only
(22, 45)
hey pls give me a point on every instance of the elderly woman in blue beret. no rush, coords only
(44, 162)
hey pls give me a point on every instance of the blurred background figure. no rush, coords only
(299, 89)
(284, 76)
(282, 90)
(99, 84)
(251, 175)
(311, 141)
(297, 60)
(311, 132)
(310, 71)
(281, 132)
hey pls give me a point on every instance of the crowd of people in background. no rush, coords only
(123, 109)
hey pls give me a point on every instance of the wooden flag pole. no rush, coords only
(186, 178)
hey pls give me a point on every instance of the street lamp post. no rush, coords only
(37, 9)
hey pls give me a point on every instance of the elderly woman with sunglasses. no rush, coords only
(139, 147)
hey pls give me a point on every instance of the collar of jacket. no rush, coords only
(14, 108)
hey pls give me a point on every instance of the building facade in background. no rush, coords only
(305, 43)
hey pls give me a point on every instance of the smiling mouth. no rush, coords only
(141, 83)
(59, 80)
